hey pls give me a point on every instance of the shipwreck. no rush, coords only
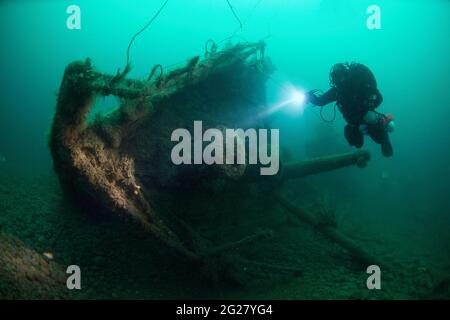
(120, 163)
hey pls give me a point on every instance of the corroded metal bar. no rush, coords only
(323, 164)
(359, 254)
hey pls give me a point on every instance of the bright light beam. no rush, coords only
(295, 101)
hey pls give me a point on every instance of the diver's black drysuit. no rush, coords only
(357, 96)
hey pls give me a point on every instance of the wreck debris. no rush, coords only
(271, 267)
(323, 164)
(210, 48)
(120, 75)
(331, 233)
(153, 72)
(106, 163)
(121, 162)
(230, 246)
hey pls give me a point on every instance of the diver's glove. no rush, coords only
(311, 96)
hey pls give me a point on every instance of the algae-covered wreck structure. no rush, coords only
(120, 164)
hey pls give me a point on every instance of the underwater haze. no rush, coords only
(395, 207)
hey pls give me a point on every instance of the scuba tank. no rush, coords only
(388, 122)
(376, 119)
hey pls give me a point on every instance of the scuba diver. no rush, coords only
(354, 89)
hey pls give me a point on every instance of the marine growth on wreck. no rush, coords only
(122, 164)
(198, 183)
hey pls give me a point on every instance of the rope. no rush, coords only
(234, 13)
(248, 17)
(211, 49)
(143, 29)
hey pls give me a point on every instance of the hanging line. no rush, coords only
(143, 29)
(234, 13)
(248, 17)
